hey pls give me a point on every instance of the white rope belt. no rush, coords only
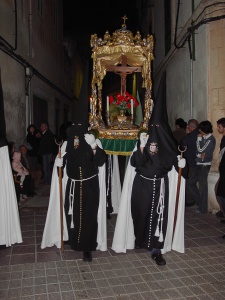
(150, 178)
(160, 210)
(71, 196)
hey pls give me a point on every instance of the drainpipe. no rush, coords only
(192, 58)
(191, 88)
(28, 70)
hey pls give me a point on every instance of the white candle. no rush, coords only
(91, 104)
(132, 106)
(107, 103)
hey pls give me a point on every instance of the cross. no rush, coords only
(123, 70)
(124, 19)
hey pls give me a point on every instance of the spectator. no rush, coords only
(33, 140)
(47, 151)
(206, 144)
(220, 185)
(189, 141)
(180, 130)
(27, 162)
(26, 183)
(19, 168)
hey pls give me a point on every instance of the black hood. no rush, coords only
(161, 145)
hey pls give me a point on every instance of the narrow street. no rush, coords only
(28, 272)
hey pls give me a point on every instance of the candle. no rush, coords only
(91, 104)
(107, 104)
(132, 106)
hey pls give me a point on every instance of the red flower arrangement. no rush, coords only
(123, 101)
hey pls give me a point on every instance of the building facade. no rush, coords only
(190, 46)
(36, 71)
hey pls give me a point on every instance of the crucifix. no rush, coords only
(123, 70)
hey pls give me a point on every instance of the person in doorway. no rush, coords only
(206, 144)
(46, 150)
(150, 191)
(220, 185)
(33, 141)
(188, 142)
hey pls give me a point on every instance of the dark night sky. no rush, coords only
(97, 16)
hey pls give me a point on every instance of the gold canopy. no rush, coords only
(125, 53)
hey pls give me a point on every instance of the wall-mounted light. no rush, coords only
(27, 71)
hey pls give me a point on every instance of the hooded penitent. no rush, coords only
(82, 190)
(161, 145)
(76, 144)
(150, 193)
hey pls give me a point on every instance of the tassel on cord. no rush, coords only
(71, 202)
(71, 198)
(160, 209)
(157, 228)
(109, 173)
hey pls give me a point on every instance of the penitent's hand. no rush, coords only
(143, 139)
(59, 162)
(181, 162)
(90, 139)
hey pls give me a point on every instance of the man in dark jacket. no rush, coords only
(46, 150)
(189, 141)
(220, 187)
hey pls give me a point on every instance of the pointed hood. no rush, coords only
(161, 145)
(80, 123)
(3, 140)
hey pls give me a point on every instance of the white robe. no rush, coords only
(52, 230)
(10, 231)
(124, 238)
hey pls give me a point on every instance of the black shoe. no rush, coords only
(137, 246)
(219, 214)
(108, 216)
(3, 247)
(222, 221)
(87, 256)
(159, 259)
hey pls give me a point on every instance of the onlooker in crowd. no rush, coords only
(27, 184)
(33, 140)
(27, 162)
(206, 144)
(180, 130)
(220, 185)
(18, 167)
(47, 151)
(189, 141)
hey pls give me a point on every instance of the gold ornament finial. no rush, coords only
(124, 19)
